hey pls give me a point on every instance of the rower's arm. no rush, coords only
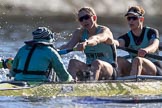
(154, 45)
(119, 42)
(116, 42)
(74, 40)
(153, 36)
(105, 36)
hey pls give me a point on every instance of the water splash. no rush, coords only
(3, 74)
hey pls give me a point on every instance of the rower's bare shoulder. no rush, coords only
(104, 28)
(78, 32)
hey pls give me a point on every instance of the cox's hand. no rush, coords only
(81, 46)
(142, 52)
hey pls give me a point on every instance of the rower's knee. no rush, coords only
(96, 64)
(73, 67)
(136, 66)
(137, 61)
(73, 63)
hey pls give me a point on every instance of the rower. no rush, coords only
(143, 40)
(37, 59)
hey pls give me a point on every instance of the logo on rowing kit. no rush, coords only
(153, 36)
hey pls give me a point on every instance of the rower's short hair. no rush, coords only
(89, 10)
(136, 10)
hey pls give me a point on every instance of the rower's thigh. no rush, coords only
(105, 68)
(77, 65)
(148, 68)
(124, 66)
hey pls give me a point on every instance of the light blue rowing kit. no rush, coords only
(100, 51)
(145, 42)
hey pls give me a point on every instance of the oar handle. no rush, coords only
(128, 49)
(65, 51)
(135, 51)
(17, 83)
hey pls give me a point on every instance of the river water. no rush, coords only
(68, 102)
(15, 29)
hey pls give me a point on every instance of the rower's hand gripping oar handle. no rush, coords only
(135, 51)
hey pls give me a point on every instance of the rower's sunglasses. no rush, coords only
(132, 18)
(85, 17)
